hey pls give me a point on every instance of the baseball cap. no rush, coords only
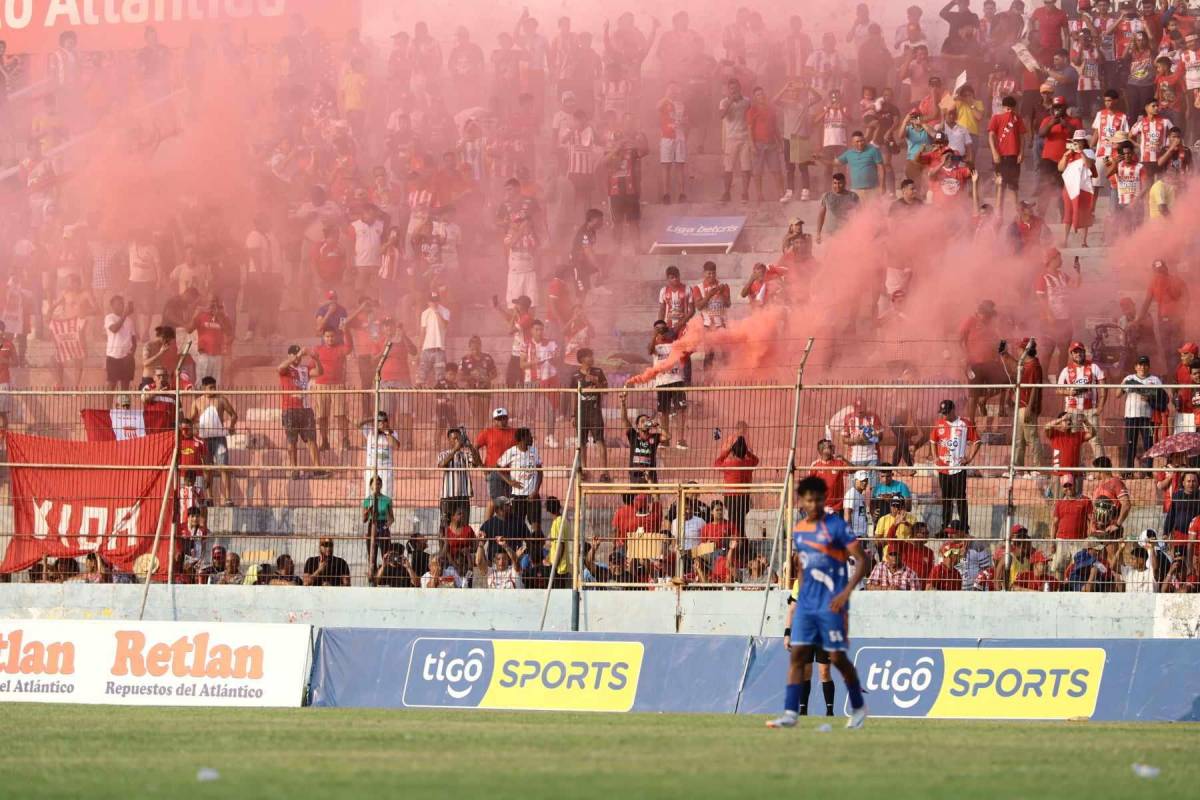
(1190, 347)
(1076, 345)
(1145, 536)
(502, 501)
(951, 547)
(1018, 528)
(862, 475)
(945, 407)
(1143, 359)
(1080, 136)
(896, 500)
(1059, 100)
(500, 412)
(954, 525)
(1119, 137)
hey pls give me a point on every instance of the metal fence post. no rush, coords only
(373, 522)
(175, 464)
(785, 493)
(1009, 505)
(577, 522)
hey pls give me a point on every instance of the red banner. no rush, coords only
(33, 26)
(73, 510)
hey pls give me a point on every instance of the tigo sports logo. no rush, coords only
(523, 674)
(981, 683)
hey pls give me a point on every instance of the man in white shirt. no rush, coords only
(368, 248)
(1139, 391)
(264, 268)
(121, 344)
(1137, 573)
(857, 502)
(520, 467)
(434, 321)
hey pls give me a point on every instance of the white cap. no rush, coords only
(500, 412)
(862, 475)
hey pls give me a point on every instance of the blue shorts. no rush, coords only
(826, 629)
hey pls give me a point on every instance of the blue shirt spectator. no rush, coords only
(865, 163)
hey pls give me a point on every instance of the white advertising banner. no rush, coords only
(153, 663)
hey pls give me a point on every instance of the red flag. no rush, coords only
(74, 510)
(118, 424)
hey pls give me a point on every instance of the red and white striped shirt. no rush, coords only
(581, 149)
(1127, 180)
(1191, 68)
(1106, 125)
(1151, 135)
(1085, 374)
(68, 343)
(1089, 69)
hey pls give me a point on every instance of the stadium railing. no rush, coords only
(283, 508)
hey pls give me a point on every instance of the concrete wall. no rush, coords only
(875, 614)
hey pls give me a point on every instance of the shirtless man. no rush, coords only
(216, 419)
(68, 315)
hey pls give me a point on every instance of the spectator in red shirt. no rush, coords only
(1039, 578)
(640, 513)
(1067, 432)
(1006, 135)
(492, 442)
(192, 453)
(1169, 89)
(826, 468)
(945, 577)
(299, 424)
(1056, 130)
(737, 461)
(979, 338)
(763, 123)
(1170, 296)
(330, 381)
(717, 530)
(1048, 31)
(1072, 518)
(213, 332)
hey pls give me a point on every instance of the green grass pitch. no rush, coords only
(120, 752)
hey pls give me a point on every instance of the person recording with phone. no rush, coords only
(456, 462)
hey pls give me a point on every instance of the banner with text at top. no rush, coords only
(34, 26)
(153, 663)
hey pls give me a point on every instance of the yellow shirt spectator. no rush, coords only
(970, 115)
(1161, 198)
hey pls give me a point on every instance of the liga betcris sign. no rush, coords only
(153, 663)
(33, 26)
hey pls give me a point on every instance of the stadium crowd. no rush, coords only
(390, 188)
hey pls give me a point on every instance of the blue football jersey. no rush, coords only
(823, 550)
